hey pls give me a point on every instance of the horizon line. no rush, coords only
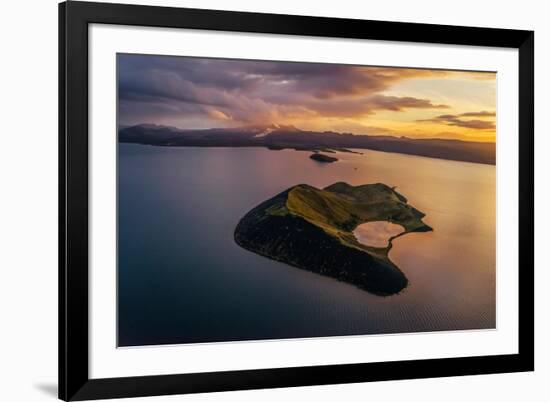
(251, 126)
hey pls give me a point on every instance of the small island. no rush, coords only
(312, 229)
(323, 158)
(278, 137)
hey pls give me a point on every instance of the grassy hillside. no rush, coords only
(313, 229)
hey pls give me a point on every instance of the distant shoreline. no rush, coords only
(302, 150)
(446, 149)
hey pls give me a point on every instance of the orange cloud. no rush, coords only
(191, 92)
(456, 120)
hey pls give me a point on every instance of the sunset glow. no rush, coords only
(189, 92)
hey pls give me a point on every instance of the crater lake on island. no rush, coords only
(183, 279)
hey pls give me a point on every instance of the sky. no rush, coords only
(191, 93)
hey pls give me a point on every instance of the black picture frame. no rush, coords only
(74, 18)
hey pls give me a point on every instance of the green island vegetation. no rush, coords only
(312, 229)
(322, 158)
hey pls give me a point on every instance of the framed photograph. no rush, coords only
(257, 200)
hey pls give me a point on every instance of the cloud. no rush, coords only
(398, 104)
(457, 121)
(368, 105)
(218, 114)
(474, 124)
(180, 90)
(483, 113)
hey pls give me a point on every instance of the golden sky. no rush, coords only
(203, 93)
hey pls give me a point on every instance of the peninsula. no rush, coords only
(277, 137)
(312, 229)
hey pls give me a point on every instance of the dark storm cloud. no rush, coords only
(253, 91)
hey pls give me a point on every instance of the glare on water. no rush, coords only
(182, 278)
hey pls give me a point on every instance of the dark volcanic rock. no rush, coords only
(306, 228)
(288, 137)
(323, 158)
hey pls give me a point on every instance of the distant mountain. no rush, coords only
(275, 137)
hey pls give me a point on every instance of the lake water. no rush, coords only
(182, 278)
(378, 233)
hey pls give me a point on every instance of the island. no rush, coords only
(278, 137)
(322, 158)
(312, 229)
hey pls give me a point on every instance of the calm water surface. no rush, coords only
(182, 278)
(378, 233)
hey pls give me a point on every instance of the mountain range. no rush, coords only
(275, 137)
